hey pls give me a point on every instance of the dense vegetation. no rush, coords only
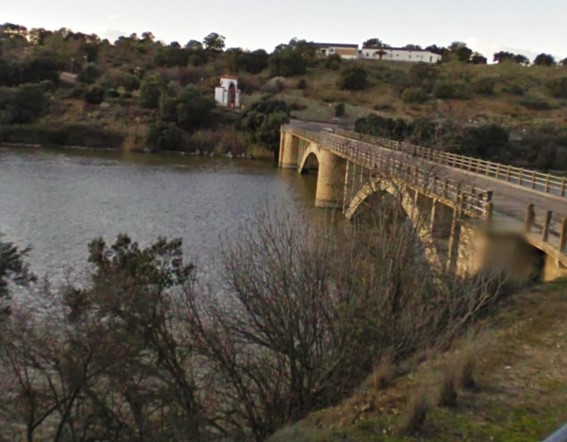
(139, 93)
(298, 318)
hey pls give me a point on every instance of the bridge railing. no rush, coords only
(542, 182)
(473, 201)
(549, 226)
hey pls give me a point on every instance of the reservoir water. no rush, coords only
(56, 201)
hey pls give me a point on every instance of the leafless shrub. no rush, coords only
(301, 316)
(466, 372)
(448, 390)
(416, 414)
(383, 374)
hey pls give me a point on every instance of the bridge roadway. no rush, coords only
(510, 200)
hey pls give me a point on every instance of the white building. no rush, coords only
(397, 54)
(346, 51)
(228, 94)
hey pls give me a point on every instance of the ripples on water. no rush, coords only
(56, 201)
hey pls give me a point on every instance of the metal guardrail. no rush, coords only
(473, 201)
(541, 182)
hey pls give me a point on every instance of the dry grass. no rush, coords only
(416, 414)
(384, 374)
(517, 357)
(448, 389)
(466, 378)
(502, 108)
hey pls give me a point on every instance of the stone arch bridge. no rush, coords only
(472, 213)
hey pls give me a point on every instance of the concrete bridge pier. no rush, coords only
(289, 151)
(330, 180)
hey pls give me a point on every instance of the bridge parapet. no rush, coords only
(538, 181)
(443, 199)
(472, 201)
(548, 230)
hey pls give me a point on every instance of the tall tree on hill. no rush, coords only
(477, 58)
(521, 59)
(461, 51)
(544, 60)
(439, 50)
(263, 120)
(287, 62)
(194, 45)
(306, 48)
(214, 42)
(374, 43)
(503, 56)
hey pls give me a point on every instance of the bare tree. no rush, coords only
(301, 315)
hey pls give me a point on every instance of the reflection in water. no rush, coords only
(57, 201)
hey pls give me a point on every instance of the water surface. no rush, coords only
(56, 201)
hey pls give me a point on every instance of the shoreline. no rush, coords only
(198, 153)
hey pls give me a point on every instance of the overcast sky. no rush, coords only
(525, 26)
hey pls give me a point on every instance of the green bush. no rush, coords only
(353, 79)
(48, 86)
(423, 75)
(27, 104)
(287, 63)
(333, 62)
(263, 120)
(89, 74)
(130, 82)
(112, 93)
(194, 110)
(66, 135)
(165, 136)
(484, 86)
(557, 87)
(514, 89)
(487, 142)
(446, 90)
(415, 95)
(44, 67)
(340, 110)
(150, 92)
(536, 104)
(94, 94)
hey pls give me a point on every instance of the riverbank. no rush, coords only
(224, 141)
(519, 371)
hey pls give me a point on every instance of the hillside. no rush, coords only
(67, 88)
(518, 393)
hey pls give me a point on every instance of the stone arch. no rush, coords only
(307, 157)
(409, 206)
